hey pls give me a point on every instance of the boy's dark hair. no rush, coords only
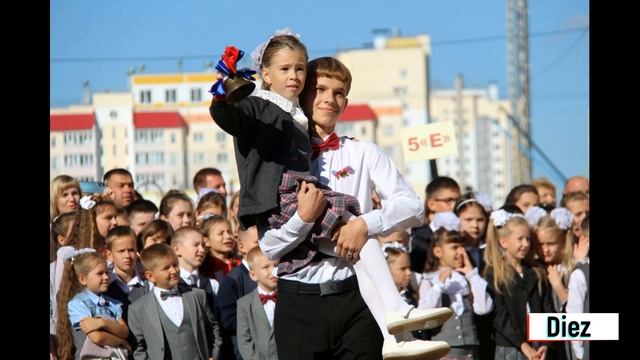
(153, 228)
(331, 68)
(116, 171)
(145, 206)
(200, 178)
(439, 183)
(117, 232)
(150, 255)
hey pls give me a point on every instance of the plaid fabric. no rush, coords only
(338, 205)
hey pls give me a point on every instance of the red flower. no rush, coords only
(230, 58)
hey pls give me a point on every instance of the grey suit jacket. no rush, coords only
(144, 323)
(255, 335)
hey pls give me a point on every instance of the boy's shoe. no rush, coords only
(416, 349)
(416, 319)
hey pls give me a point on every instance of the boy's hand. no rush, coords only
(311, 202)
(90, 324)
(351, 239)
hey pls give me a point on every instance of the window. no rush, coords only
(53, 142)
(403, 73)
(222, 158)
(145, 96)
(113, 114)
(220, 136)
(113, 132)
(173, 138)
(54, 163)
(170, 95)
(400, 91)
(198, 158)
(363, 131)
(387, 130)
(198, 137)
(196, 94)
(152, 136)
(114, 150)
(149, 158)
(174, 159)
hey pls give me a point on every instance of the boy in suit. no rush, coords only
(170, 321)
(256, 309)
(235, 285)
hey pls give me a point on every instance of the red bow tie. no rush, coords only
(332, 143)
(264, 298)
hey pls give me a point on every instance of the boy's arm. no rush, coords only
(212, 326)
(275, 243)
(245, 341)
(135, 326)
(401, 206)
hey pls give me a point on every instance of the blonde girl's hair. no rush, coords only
(503, 273)
(547, 223)
(69, 287)
(59, 185)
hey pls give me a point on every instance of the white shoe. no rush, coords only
(416, 319)
(416, 349)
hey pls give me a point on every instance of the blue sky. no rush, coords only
(85, 33)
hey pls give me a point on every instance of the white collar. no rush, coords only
(288, 106)
(263, 291)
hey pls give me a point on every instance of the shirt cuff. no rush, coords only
(298, 225)
(471, 274)
(374, 222)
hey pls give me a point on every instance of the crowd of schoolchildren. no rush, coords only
(131, 279)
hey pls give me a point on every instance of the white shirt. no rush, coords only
(431, 289)
(184, 274)
(575, 301)
(401, 206)
(125, 287)
(269, 306)
(172, 306)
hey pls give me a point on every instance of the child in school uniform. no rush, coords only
(452, 280)
(88, 320)
(170, 321)
(235, 285)
(578, 297)
(256, 310)
(517, 287)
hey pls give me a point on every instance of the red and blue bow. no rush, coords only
(227, 66)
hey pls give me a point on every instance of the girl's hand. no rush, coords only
(466, 266)
(554, 276)
(90, 324)
(542, 352)
(445, 273)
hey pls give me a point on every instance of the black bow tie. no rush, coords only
(165, 294)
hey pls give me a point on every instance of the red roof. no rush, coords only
(67, 122)
(358, 113)
(158, 120)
